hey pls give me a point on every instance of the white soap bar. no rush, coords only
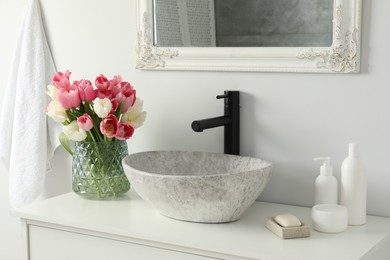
(287, 220)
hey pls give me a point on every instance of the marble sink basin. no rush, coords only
(197, 186)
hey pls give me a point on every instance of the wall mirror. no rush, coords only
(252, 35)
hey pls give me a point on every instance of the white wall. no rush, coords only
(9, 226)
(287, 118)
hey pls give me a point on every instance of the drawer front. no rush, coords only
(49, 244)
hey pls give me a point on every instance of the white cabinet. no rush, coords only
(69, 227)
(48, 244)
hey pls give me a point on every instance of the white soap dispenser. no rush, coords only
(326, 184)
(354, 186)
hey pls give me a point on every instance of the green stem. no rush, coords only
(118, 112)
(92, 137)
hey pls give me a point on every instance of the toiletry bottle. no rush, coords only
(354, 187)
(326, 184)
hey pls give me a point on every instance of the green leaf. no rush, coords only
(64, 140)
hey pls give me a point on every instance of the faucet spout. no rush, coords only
(230, 121)
(200, 125)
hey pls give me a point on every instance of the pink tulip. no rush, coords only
(127, 96)
(124, 131)
(115, 90)
(115, 86)
(109, 126)
(85, 122)
(61, 80)
(104, 94)
(69, 98)
(101, 82)
(86, 90)
(102, 86)
(115, 81)
(115, 105)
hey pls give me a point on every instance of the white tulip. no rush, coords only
(102, 107)
(135, 116)
(52, 92)
(56, 111)
(74, 132)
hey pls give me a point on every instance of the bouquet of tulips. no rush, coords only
(104, 112)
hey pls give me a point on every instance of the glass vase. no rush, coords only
(97, 171)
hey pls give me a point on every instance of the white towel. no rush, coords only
(28, 138)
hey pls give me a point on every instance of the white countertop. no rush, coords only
(130, 217)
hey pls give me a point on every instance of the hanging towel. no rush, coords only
(28, 137)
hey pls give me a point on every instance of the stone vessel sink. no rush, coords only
(197, 186)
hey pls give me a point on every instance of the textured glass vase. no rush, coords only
(97, 171)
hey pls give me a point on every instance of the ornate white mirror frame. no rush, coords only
(343, 56)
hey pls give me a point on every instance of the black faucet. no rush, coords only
(230, 121)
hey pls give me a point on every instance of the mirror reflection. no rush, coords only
(238, 23)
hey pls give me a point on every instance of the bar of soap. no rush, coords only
(287, 232)
(288, 220)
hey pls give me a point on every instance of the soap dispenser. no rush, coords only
(326, 184)
(354, 186)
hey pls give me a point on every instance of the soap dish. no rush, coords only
(287, 232)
